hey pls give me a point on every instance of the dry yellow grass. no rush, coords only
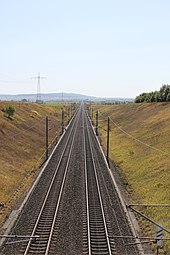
(22, 147)
(145, 170)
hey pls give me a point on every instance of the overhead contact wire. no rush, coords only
(136, 139)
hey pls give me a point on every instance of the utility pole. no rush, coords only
(108, 140)
(46, 138)
(38, 78)
(68, 113)
(71, 109)
(62, 122)
(92, 113)
(97, 118)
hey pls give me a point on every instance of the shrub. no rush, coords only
(9, 110)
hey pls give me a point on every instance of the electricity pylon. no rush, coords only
(38, 98)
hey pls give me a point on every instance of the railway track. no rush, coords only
(98, 232)
(74, 208)
(46, 220)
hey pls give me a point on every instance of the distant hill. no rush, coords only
(59, 97)
(46, 97)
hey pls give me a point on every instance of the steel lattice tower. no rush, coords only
(38, 98)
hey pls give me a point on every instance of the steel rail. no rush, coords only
(113, 209)
(86, 192)
(50, 187)
(60, 194)
(121, 231)
(99, 194)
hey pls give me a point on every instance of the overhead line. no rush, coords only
(136, 139)
(139, 141)
(23, 131)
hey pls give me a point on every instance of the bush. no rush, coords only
(9, 110)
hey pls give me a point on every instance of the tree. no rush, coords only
(141, 98)
(168, 97)
(157, 96)
(163, 95)
(24, 100)
(164, 91)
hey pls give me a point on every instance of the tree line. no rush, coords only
(163, 95)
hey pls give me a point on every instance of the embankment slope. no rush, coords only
(140, 148)
(22, 147)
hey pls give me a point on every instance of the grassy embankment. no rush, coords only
(22, 147)
(145, 171)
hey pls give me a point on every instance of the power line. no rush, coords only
(139, 141)
(134, 138)
(26, 129)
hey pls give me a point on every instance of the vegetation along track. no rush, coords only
(74, 208)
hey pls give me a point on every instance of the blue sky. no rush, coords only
(101, 48)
